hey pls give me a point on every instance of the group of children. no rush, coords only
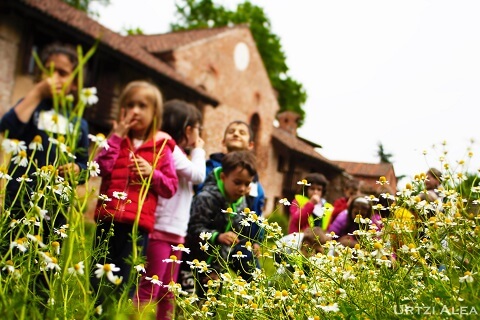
(154, 158)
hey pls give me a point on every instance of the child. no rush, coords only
(31, 121)
(183, 122)
(314, 206)
(132, 156)
(350, 190)
(225, 188)
(344, 225)
(238, 136)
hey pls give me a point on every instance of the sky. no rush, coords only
(402, 73)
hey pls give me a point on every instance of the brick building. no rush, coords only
(218, 70)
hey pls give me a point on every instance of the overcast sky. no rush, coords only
(403, 73)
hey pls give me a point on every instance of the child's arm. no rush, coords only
(106, 158)
(193, 170)
(299, 216)
(164, 179)
(42, 90)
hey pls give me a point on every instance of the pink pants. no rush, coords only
(157, 251)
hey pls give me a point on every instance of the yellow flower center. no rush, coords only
(173, 257)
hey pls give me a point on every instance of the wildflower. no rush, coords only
(61, 232)
(120, 195)
(78, 268)
(140, 268)
(360, 219)
(284, 201)
(21, 244)
(52, 264)
(24, 178)
(39, 212)
(56, 247)
(205, 236)
(204, 247)
(21, 159)
(104, 197)
(173, 258)
(239, 255)
(13, 146)
(36, 143)
(9, 266)
(330, 308)
(382, 181)
(468, 277)
(248, 246)
(154, 279)
(99, 309)
(174, 287)
(180, 247)
(229, 211)
(4, 174)
(93, 168)
(100, 140)
(89, 96)
(304, 182)
(107, 269)
(244, 223)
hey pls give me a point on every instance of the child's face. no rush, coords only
(315, 189)
(361, 208)
(237, 137)
(350, 192)
(62, 72)
(236, 183)
(140, 107)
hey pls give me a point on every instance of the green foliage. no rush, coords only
(384, 157)
(84, 5)
(197, 14)
(133, 31)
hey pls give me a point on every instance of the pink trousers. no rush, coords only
(157, 251)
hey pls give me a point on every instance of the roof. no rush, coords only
(373, 170)
(160, 43)
(296, 144)
(126, 46)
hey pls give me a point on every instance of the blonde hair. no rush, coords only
(157, 100)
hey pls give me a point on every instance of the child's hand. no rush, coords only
(315, 199)
(256, 250)
(44, 88)
(122, 127)
(140, 167)
(69, 168)
(228, 238)
(199, 143)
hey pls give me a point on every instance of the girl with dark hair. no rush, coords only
(182, 121)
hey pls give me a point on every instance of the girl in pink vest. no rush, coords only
(137, 152)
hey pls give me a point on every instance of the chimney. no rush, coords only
(288, 121)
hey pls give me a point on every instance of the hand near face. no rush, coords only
(315, 199)
(228, 238)
(122, 127)
(140, 167)
(69, 168)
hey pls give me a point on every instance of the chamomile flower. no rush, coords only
(154, 279)
(229, 211)
(13, 146)
(180, 247)
(24, 178)
(104, 197)
(205, 236)
(120, 195)
(4, 174)
(9, 266)
(248, 246)
(61, 232)
(284, 201)
(107, 269)
(140, 268)
(36, 143)
(100, 140)
(204, 247)
(173, 259)
(239, 255)
(304, 182)
(330, 308)
(36, 239)
(93, 168)
(21, 244)
(382, 181)
(467, 277)
(77, 269)
(89, 96)
(21, 159)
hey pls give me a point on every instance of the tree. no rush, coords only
(84, 5)
(384, 157)
(197, 14)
